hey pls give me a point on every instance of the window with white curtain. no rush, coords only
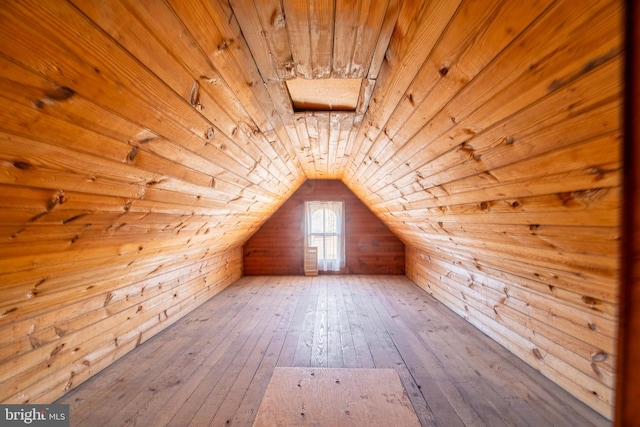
(324, 227)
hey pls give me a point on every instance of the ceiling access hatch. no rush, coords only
(324, 94)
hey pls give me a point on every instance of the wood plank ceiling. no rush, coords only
(141, 134)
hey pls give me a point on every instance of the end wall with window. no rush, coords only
(278, 247)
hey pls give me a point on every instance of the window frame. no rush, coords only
(311, 208)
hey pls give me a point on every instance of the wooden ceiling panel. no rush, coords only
(482, 130)
(324, 39)
(409, 48)
(509, 124)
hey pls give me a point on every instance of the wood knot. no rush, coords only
(467, 148)
(598, 172)
(73, 218)
(25, 166)
(54, 95)
(509, 140)
(590, 300)
(131, 157)
(277, 19)
(59, 93)
(484, 206)
(537, 354)
(444, 70)
(566, 198)
(56, 350)
(57, 199)
(224, 45)
(194, 96)
(108, 299)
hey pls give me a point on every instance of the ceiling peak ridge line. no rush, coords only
(369, 82)
(379, 145)
(329, 24)
(370, 79)
(270, 74)
(404, 72)
(237, 55)
(383, 129)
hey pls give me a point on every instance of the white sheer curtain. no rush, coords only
(324, 225)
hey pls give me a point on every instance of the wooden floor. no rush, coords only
(212, 367)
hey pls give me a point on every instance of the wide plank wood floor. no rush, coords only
(212, 367)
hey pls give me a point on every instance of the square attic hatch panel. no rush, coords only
(324, 94)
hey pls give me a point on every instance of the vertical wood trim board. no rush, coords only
(278, 247)
(627, 410)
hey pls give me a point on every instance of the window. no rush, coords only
(325, 230)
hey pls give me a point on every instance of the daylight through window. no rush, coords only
(325, 230)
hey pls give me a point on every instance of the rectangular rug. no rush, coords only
(335, 397)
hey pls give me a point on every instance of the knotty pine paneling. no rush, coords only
(277, 247)
(137, 136)
(136, 157)
(61, 325)
(494, 152)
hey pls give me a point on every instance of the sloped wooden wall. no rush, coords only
(493, 148)
(140, 139)
(278, 247)
(136, 157)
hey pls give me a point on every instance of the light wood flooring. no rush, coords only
(212, 367)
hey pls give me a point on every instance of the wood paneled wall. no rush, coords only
(77, 312)
(137, 154)
(532, 310)
(138, 138)
(492, 147)
(277, 248)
